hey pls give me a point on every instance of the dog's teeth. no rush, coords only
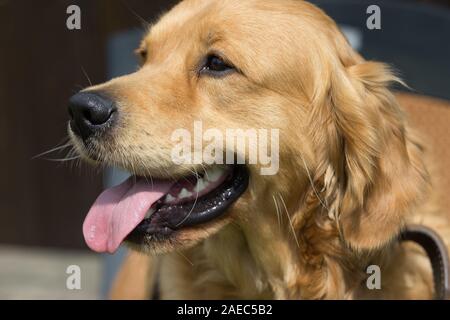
(169, 198)
(150, 212)
(201, 185)
(214, 173)
(184, 194)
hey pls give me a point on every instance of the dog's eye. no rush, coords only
(215, 65)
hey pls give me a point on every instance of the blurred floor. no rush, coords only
(41, 274)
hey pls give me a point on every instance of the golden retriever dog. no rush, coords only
(352, 172)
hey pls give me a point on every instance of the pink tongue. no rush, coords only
(117, 211)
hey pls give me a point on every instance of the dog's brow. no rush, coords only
(213, 37)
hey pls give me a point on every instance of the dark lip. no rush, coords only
(170, 218)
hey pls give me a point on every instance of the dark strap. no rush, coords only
(436, 250)
(155, 293)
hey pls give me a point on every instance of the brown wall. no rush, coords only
(44, 203)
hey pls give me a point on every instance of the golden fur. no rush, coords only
(352, 171)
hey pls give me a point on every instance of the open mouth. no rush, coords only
(141, 208)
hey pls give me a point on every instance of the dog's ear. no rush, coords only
(378, 165)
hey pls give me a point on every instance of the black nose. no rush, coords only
(90, 113)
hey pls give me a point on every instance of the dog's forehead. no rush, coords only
(190, 19)
(194, 19)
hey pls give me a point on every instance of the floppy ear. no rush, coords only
(378, 165)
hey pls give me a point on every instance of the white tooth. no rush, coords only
(215, 173)
(169, 198)
(184, 194)
(201, 185)
(150, 212)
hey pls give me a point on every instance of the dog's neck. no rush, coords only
(267, 262)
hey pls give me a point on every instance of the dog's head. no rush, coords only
(283, 66)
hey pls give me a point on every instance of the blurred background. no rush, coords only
(42, 63)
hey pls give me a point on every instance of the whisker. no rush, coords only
(278, 212)
(289, 218)
(144, 22)
(205, 171)
(63, 159)
(52, 150)
(86, 75)
(193, 206)
(190, 170)
(185, 258)
(148, 175)
(311, 181)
